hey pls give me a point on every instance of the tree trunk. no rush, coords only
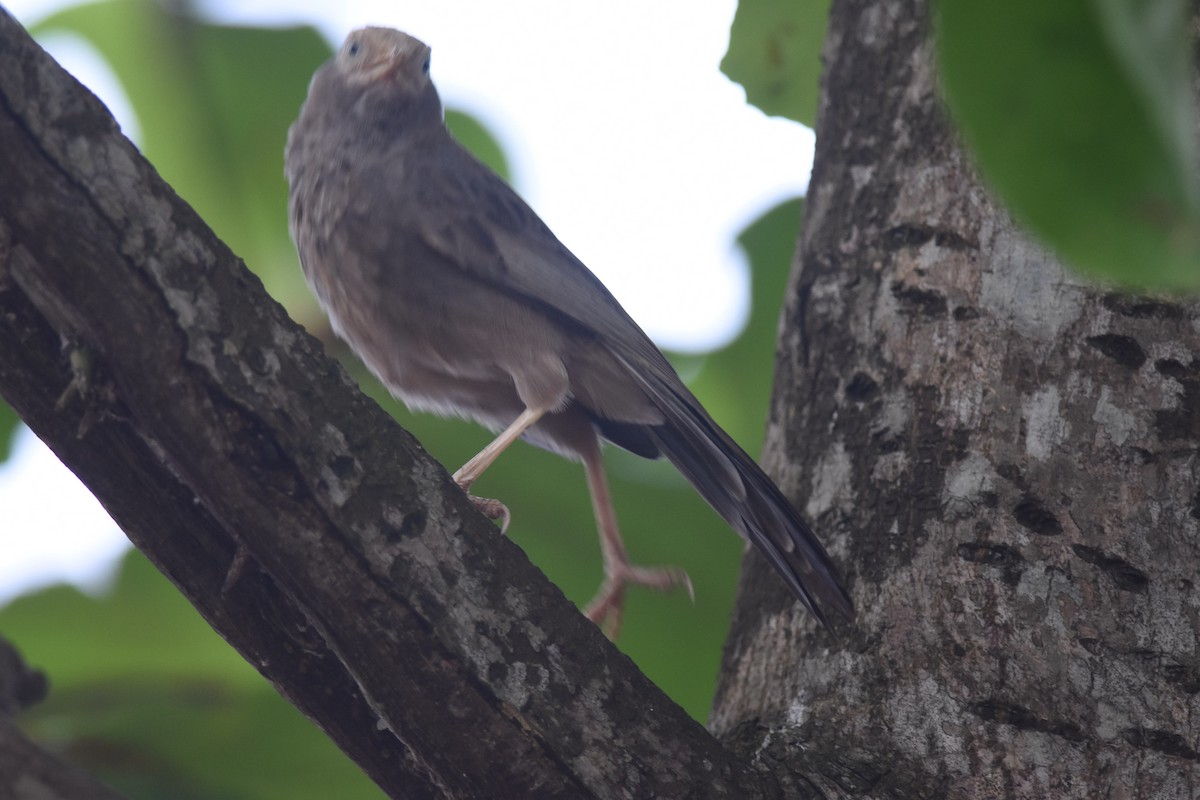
(1005, 459)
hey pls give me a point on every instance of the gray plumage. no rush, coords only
(463, 302)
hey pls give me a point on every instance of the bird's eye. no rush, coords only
(425, 66)
(353, 48)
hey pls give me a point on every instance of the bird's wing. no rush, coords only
(493, 236)
(497, 239)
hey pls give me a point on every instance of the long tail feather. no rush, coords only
(737, 488)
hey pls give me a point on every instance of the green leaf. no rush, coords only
(8, 429)
(1080, 115)
(146, 696)
(775, 54)
(735, 383)
(142, 624)
(476, 138)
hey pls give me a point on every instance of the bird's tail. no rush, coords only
(737, 488)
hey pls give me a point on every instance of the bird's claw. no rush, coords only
(492, 509)
(605, 608)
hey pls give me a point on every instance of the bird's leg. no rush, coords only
(470, 471)
(605, 608)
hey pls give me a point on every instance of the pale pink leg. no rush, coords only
(470, 472)
(605, 608)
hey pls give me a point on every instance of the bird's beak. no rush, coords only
(383, 69)
(389, 67)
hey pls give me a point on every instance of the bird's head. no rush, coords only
(379, 80)
(382, 56)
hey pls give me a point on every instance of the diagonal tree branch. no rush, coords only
(315, 535)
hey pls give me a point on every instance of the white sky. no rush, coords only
(621, 131)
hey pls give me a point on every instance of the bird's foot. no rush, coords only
(492, 509)
(606, 607)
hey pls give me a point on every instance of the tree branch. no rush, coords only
(315, 535)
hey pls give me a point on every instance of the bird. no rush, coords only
(463, 303)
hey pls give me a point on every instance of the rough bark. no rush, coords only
(313, 534)
(1005, 459)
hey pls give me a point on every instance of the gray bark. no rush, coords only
(312, 533)
(1005, 459)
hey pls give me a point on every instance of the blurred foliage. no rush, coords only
(147, 697)
(775, 54)
(735, 383)
(143, 693)
(1082, 116)
(478, 140)
(8, 427)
